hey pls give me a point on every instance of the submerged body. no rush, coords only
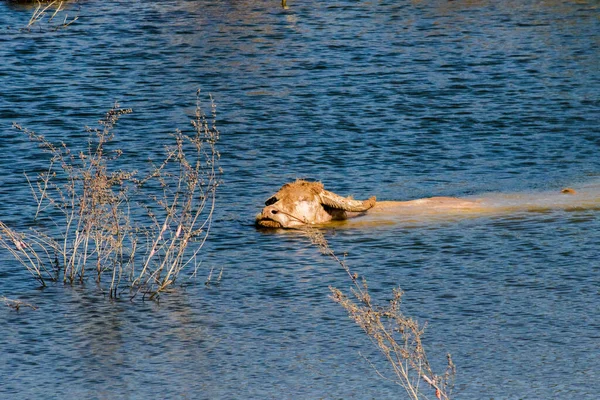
(304, 203)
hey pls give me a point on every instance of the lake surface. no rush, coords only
(396, 99)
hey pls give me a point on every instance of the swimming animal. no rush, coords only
(301, 203)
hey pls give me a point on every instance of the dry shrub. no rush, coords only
(397, 336)
(136, 233)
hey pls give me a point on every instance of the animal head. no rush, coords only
(305, 203)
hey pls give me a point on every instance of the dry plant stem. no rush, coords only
(23, 250)
(398, 337)
(41, 10)
(56, 11)
(103, 224)
(42, 187)
(16, 304)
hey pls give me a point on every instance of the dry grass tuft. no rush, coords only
(136, 233)
(397, 336)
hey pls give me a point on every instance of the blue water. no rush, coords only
(396, 99)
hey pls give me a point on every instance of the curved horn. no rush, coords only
(333, 200)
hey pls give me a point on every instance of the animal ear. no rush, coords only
(333, 200)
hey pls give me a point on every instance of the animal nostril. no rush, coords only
(274, 212)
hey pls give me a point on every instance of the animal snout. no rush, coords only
(270, 211)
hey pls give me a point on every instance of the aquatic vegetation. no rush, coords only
(52, 14)
(16, 304)
(134, 232)
(397, 336)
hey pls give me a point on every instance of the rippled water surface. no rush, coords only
(398, 99)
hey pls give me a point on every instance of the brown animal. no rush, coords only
(307, 203)
(304, 203)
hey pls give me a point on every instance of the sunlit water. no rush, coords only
(396, 99)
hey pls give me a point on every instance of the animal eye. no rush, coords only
(272, 200)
